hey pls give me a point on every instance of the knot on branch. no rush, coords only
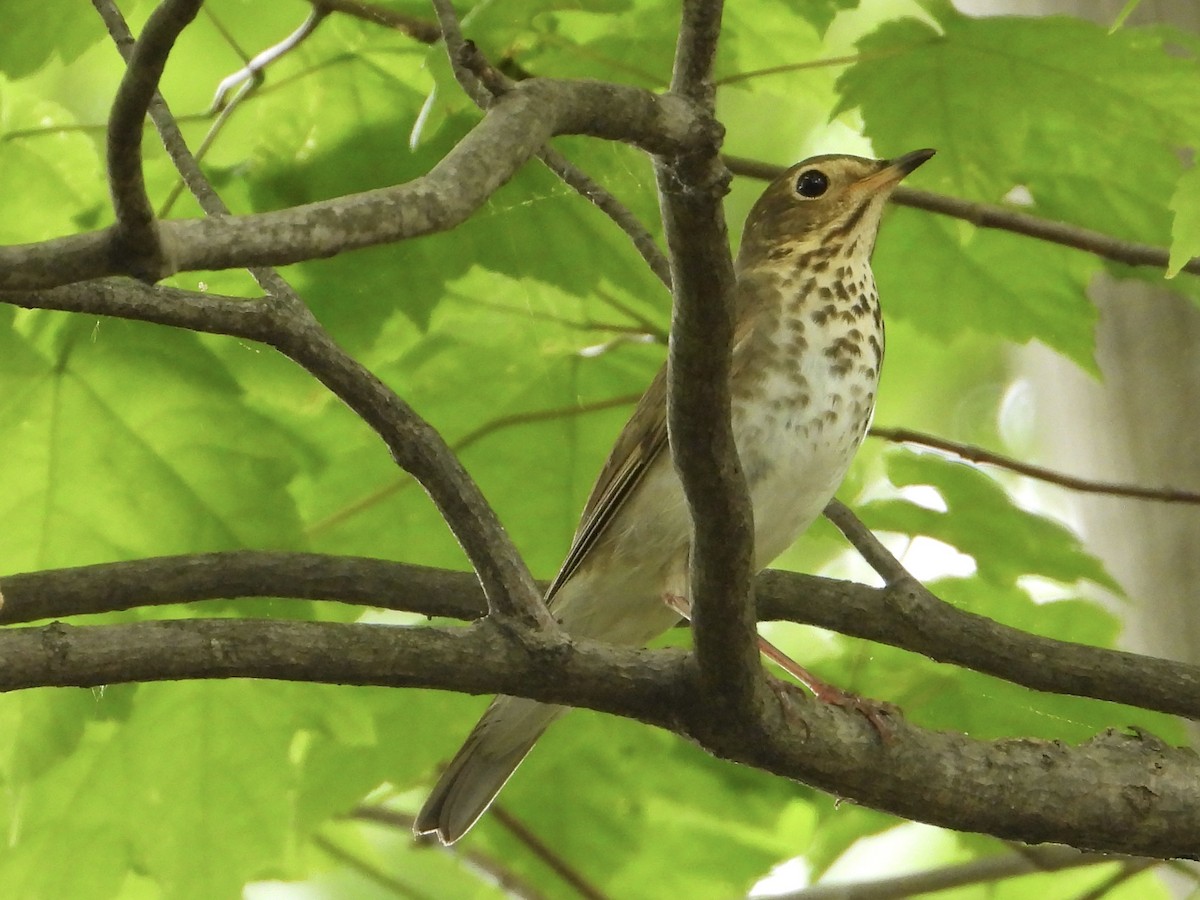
(696, 168)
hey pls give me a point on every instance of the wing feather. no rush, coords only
(640, 443)
(644, 437)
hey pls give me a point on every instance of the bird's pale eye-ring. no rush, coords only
(812, 183)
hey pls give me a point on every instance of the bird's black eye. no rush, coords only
(812, 183)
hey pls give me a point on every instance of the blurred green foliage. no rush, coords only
(124, 440)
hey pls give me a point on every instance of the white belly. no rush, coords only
(795, 445)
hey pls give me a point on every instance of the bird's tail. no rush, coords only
(492, 752)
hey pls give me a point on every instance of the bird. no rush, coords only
(807, 351)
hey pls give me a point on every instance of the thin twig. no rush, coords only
(164, 121)
(643, 240)
(226, 34)
(827, 62)
(1024, 861)
(988, 215)
(418, 29)
(1130, 869)
(253, 70)
(472, 437)
(459, 52)
(643, 330)
(214, 129)
(988, 457)
(482, 82)
(659, 333)
(243, 83)
(367, 870)
(878, 557)
(502, 876)
(420, 450)
(546, 854)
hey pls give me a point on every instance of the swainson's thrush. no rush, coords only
(808, 346)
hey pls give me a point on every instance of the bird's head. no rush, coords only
(831, 203)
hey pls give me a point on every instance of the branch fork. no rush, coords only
(719, 694)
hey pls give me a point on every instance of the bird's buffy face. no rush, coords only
(822, 202)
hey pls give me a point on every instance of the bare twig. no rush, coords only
(242, 84)
(1024, 861)
(546, 854)
(1129, 869)
(505, 878)
(987, 215)
(471, 437)
(420, 450)
(214, 129)
(980, 455)
(253, 70)
(367, 870)
(827, 62)
(653, 329)
(164, 121)
(461, 55)
(643, 240)
(135, 237)
(418, 29)
(878, 557)
(482, 82)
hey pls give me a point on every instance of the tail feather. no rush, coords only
(492, 752)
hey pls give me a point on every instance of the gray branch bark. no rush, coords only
(1124, 793)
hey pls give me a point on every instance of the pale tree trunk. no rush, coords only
(1138, 424)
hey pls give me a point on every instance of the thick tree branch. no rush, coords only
(898, 616)
(691, 188)
(1115, 793)
(513, 131)
(286, 324)
(695, 51)
(124, 299)
(989, 215)
(414, 444)
(419, 449)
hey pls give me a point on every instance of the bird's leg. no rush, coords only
(873, 711)
(820, 689)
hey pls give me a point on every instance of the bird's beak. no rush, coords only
(893, 171)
